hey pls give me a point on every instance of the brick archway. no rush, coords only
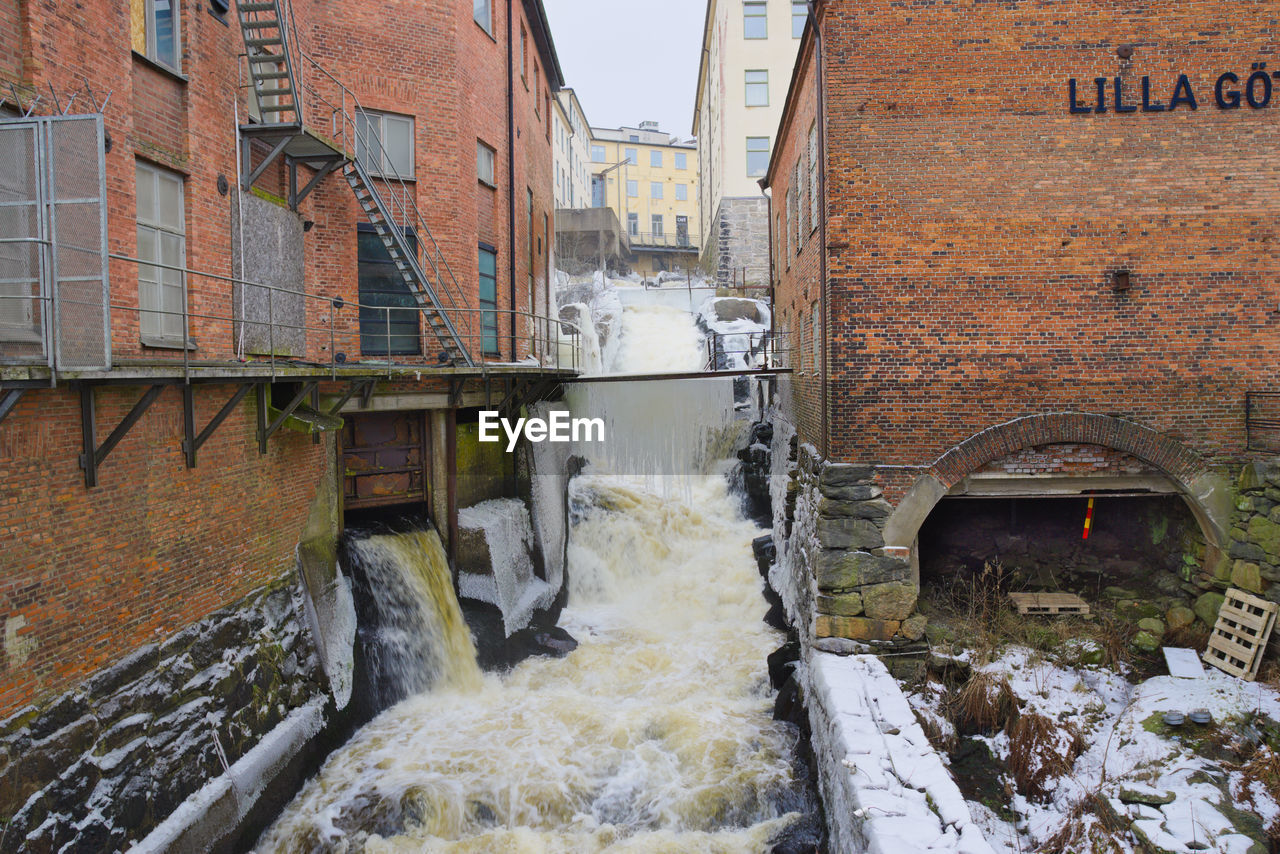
(1206, 493)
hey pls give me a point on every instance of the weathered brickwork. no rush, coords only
(92, 574)
(1068, 458)
(975, 225)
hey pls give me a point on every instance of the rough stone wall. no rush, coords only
(97, 767)
(1255, 536)
(737, 250)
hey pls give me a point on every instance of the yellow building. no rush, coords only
(650, 180)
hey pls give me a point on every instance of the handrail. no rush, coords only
(550, 331)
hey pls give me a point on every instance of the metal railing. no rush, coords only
(737, 351)
(301, 330)
(662, 239)
(325, 100)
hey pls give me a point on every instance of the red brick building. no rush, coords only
(203, 254)
(1001, 228)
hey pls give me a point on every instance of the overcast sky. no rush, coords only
(630, 60)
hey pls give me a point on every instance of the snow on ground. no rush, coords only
(1126, 749)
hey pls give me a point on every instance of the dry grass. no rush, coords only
(984, 704)
(1261, 771)
(1091, 827)
(1040, 750)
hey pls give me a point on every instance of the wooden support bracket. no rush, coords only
(193, 442)
(95, 455)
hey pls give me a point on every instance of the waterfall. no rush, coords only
(411, 628)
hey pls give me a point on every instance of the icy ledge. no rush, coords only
(215, 810)
(886, 790)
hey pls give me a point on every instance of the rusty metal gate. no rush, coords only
(386, 459)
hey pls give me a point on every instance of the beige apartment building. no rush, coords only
(650, 180)
(748, 51)
(572, 141)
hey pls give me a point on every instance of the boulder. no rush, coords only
(1152, 625)
(1145, 641)
(1266, 534)
(914, 628)
(1180, 616)
(1145, 795)
(893, 601)
(1207, 606)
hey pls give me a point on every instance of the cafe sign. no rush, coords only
(1114, 94)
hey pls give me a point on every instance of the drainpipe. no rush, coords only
(511, 171)
(822, 212)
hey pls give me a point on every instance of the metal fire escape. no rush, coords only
(281, 94)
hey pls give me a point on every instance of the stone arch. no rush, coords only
(1207, 494)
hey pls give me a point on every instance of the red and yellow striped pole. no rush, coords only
(1088, 519)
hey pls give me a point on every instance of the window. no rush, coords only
(524, 56)
(791, 218)
(597, 154)
(388, 309)
(484, 164)
(655, 159)
(682, 230)
(815, 331)
(682, 160)
(757, 88)
(162, 239)
(755, 21)
(482, 12)
(682, 192)
(632, 157)
(797, 181)
(384, 143)
(655, 189)
(488, 300)
(635, 137)
(655, 225)
(799, 14)
(155, 32)
(633, 189)
(597, 191)
(537, 87)
(633, 224)
(757, 156)
(813, 176)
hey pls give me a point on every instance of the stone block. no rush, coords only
(839, 604)
(840, 570)
(845, 474)
(1247, 551)
(846, 532)
(852, 492)
(873, 508)
(1266, 534)
(914, 627)
(1252, 476)
(1180, 616)
(1246, 576)
(856, 628)
(893, 601)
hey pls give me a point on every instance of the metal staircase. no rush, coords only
(281, 94)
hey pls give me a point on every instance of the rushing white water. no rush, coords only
(654, 735)
(657, 339)
(417, 638)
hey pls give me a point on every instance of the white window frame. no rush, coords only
(657, 227)
(633, 189)
(632, 156)
(633, 224)
(682, 160)
(760, 87)
(485, 8)
(485, 165)
(597, 150)
(655, 189)
(813, 176)
(798, 181)
(756, 11)
(682, 192)
(386, 167)
(655, 159)
(166, 329)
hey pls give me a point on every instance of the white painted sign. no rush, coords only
(1183, 662)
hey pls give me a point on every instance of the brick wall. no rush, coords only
(975, 223)
(90, 575)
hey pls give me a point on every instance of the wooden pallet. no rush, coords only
(1049, 603)
(1240, 636)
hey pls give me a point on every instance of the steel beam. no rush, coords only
(9, 401)
(95, 455)
(322, 172)
(262, 167)
(270, 429)
(193, 442)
